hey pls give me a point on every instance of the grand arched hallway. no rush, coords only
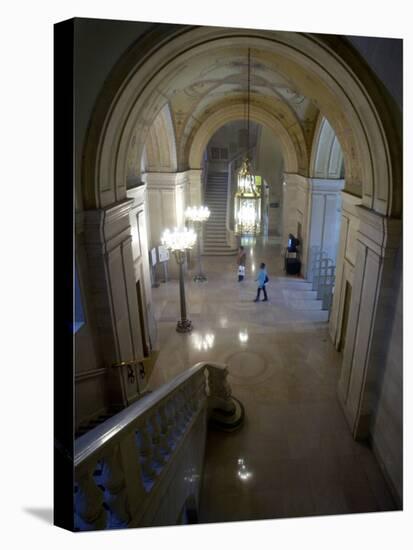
(295, 441)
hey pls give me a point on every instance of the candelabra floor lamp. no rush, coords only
(179, 242)
(198, 215)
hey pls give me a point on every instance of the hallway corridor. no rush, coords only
(294, 455)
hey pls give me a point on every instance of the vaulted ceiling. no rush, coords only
(217, 80)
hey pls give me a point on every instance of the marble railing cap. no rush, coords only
(95, 439)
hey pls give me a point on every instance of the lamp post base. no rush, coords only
(184, 326)
(200, 278)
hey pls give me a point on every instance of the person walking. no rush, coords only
(262, 281)
(242, 257)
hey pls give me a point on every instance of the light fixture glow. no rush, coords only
(243, 473)
(243, 336)
(178, 239)
(203, 342)
(247, 203)
(197, 213)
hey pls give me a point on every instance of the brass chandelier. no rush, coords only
(247, 203)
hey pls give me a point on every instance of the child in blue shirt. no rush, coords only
(262, 281)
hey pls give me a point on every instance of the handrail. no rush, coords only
(128, 362)
(127, 468)
(94, 439)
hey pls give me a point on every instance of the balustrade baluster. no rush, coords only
(115, 494)
(155, 431)
(191, 396)
(146, 454)
(170, 416)
(89, 511)
(165, 428)
(132, 472)
(179, 415)
(186, 404)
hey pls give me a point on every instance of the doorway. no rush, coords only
(142, 320)
(347, 302)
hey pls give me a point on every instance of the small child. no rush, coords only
(241, 263)
(262, 281)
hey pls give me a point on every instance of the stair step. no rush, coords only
(294, 284)
(221, 248)
(306, 304)
(230, 252)
(301, 294)
(213, 242)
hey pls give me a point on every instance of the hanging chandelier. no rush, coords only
(247, 203)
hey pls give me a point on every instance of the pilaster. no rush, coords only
(346, 260)
(311, 212)
(195, 195)
(166, 202)
(139, 223)
(290, 186)
(370, 316)
(108, 243)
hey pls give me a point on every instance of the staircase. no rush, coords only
(215, 230)
(299, 295)
(143, 466)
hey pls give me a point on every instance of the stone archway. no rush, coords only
(327, 72)
(294, 156)
(357, 115)
(326, 154)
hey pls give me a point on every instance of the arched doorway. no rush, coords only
(325, 73)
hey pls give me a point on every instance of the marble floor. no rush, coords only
(294, 455)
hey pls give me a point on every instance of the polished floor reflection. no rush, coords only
(294, 456)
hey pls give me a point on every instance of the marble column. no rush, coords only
(370, 317)
(166, 202)
(289, 219)
(168, 195)
(315, 205)
(324, 208)
(195, 194)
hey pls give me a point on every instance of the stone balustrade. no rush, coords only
(140, 467)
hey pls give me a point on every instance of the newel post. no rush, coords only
(225, 411)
